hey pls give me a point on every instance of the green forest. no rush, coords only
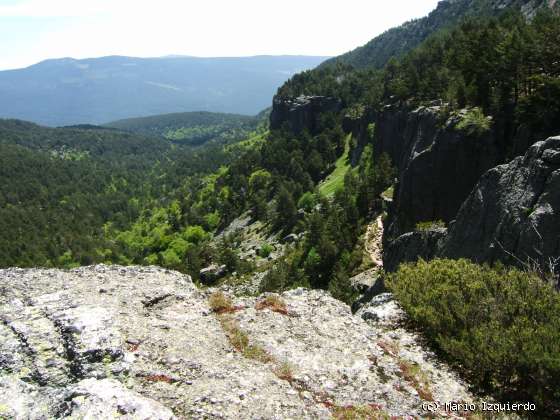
(192, 128)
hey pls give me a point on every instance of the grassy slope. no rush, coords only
(336, 179)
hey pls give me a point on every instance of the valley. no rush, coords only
(382, 242)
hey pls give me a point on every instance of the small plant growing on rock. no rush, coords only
(285, 371)
(417, 378)
(363, 412)
(265, 250)
(159, 377)
(389, 347)
(239, 339)
(273, 302)
(220, 303)
(474, 122)
(430, 225)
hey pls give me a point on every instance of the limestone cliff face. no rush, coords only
(438, 164)
(302, 112)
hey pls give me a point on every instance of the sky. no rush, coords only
(35, 30)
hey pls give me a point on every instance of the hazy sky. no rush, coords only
(34, 30)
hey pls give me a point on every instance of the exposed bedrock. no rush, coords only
(513, 212)
(143, 343)
(302, 112)
(438, 164)
(512, 215)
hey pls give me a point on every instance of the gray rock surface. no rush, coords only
(513, 210)
(411, 246)
(438, 164)
(302, 112)
(142, 343)
(212, 273)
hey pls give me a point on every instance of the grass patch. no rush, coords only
(430, 225)
(239, 340)
(285, 371)
(220, 303)
(362, 412)
(160, 378)
(414, 375)
(335, 180)
(390, 347)
(273, 302)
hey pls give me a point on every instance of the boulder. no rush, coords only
(212, 273)
(291, 238)
(411, 246)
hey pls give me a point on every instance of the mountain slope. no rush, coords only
(190, 127)
(68, 91)
(63, 189)
(397, 41)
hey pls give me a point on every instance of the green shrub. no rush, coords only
(474, 122)
(433, 224)
(501, 325)
(265, 250)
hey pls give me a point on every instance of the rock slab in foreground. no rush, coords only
(142, 343)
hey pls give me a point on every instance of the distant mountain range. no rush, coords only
(98, 90)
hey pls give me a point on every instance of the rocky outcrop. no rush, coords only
(302, 112)
(212, 273)
(514, 210)
(143, 343)
(411, 246)
(438, 164)
(512, 215)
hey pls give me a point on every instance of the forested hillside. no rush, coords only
(506, 67)
(192, 128)
(398, 41)
(63, 192)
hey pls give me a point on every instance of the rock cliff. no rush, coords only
(144, 343)
(511, 215)
(438, 164)
(514, 210)
(302, 112)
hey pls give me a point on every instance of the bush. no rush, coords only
(265, 250)
(501, 325)
(474, 122)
